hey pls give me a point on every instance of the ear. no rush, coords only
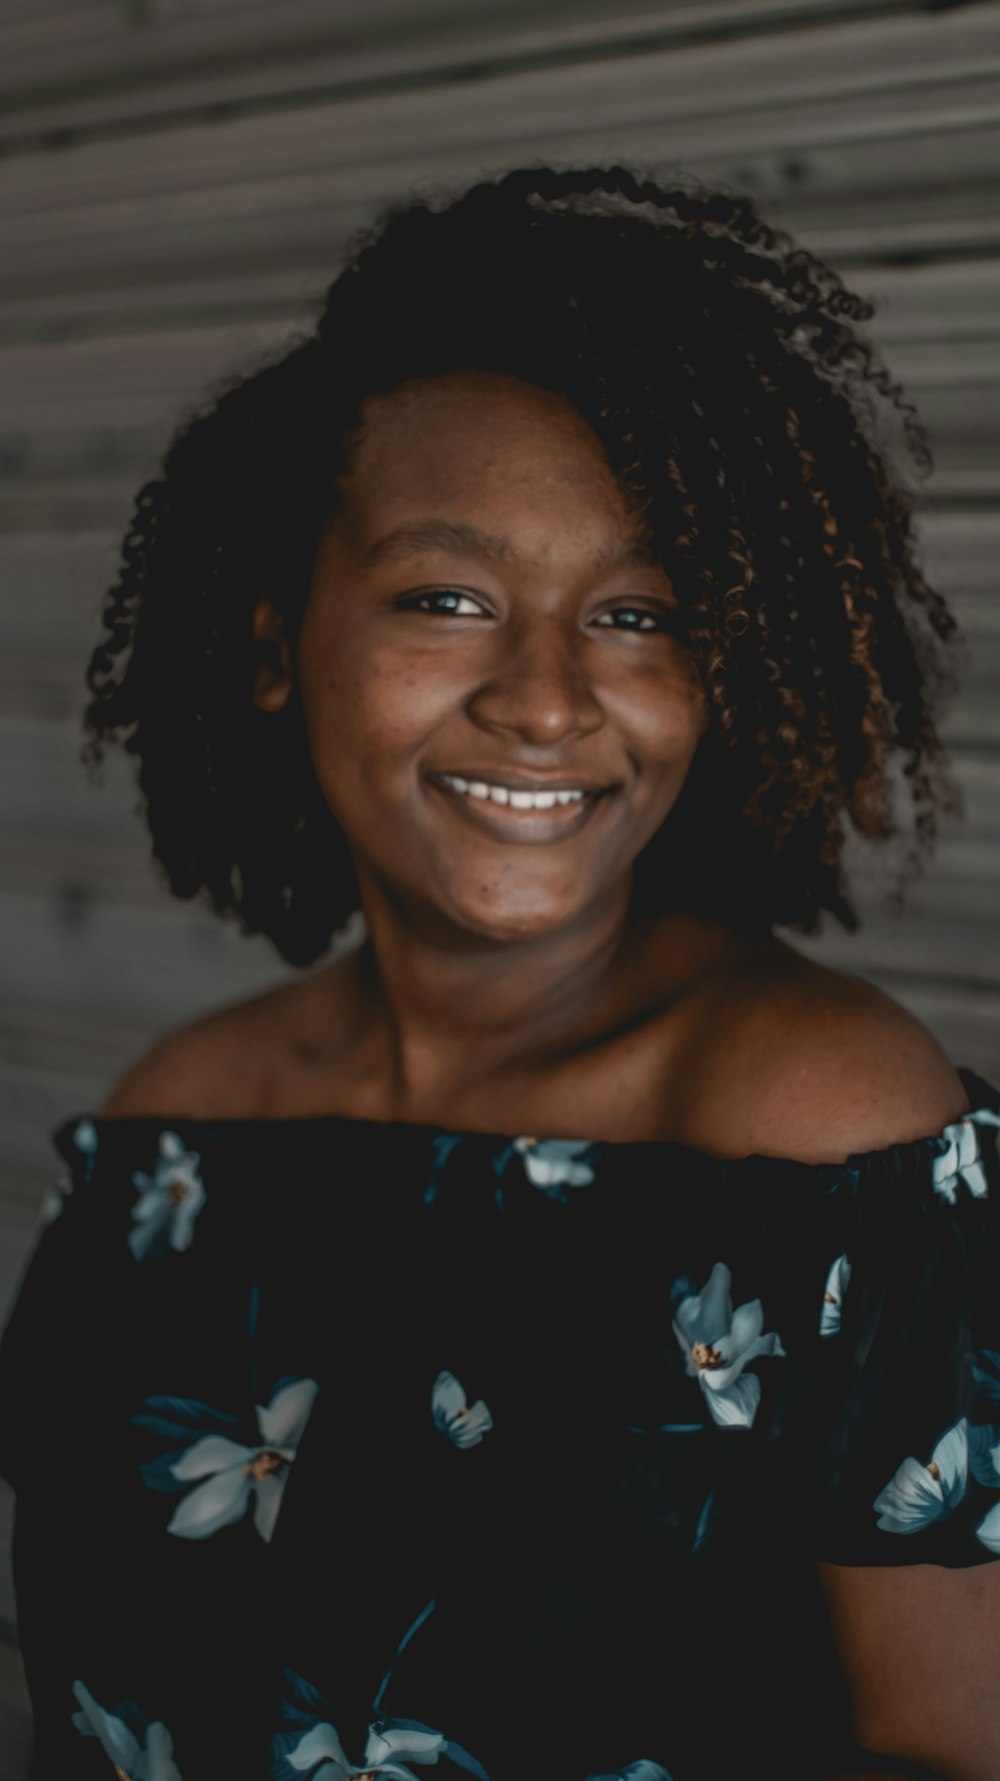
(272, 682)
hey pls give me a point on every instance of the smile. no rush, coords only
(510, 795)
(511, 814)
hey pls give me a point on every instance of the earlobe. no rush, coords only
(272, 681)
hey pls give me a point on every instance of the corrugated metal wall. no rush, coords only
(176, 180)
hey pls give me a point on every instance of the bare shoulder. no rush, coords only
(188, 1073)
(917, 1644)
(795, 1059)
(214, 1067)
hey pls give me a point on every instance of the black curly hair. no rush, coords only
(721, 368)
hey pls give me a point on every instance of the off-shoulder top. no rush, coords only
(345, 1448)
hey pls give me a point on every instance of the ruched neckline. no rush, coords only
(892, 1158)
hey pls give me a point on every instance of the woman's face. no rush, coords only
(483, 632)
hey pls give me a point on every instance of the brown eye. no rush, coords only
(419, 603)
(638, 618)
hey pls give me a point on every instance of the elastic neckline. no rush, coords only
(980, 1092)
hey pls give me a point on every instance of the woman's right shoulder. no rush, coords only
(179, 1077)
(212, 1067)
(238, 1061)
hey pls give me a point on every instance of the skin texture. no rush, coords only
(920, 1650)
(504, 985)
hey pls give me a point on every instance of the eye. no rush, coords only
(454, 597)
(641, 618)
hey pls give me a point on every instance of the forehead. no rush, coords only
(489, 449)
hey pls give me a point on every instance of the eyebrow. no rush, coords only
(438, 534)
(466, 540)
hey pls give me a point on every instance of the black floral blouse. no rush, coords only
(345, 1449)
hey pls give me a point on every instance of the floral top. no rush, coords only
(345, 1449)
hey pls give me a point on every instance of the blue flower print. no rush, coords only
(918, 1495)
(139, 1752)
(55, 1199)
(464, 1424)
(986, 1373)
(706, 1522)
(388, 1752)
(984, 1454)
(833, 1296)
(718, 1343)
(169, 1200)
(441, 1149)
(313, 1750)
(988, 1530)
(636, 1771)
(85, 1139)
(553, 1164)
(960, 1158)
(229, 1472)
(411, 1631)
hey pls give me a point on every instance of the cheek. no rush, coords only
(366, 706)
(665, 716)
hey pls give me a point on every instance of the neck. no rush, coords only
(447, 1013)
(455, 1008)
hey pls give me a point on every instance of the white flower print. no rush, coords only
(984, 1464)
(988, 1530)
(718, 1343)
(231, 1471)
(919, 1495)
(961, 1159)
(553, 1164)
(833, 1296)
(984, 1453)
(169, 1200)
(55, 1199)
(464, 1424)
(379, 1758)
(388, 1752)
(85, 1139)
(151, 1760)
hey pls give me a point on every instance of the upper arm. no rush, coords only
(920, 1650)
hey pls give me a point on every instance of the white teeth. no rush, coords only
(502, 794)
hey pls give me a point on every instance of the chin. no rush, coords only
(524, 921)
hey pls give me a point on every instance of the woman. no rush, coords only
(558, 1336)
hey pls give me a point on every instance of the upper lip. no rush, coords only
(520, 782)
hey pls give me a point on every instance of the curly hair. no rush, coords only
(721, 368)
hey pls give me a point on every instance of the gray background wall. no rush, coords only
(176, 178)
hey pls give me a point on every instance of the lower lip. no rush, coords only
(507, 823)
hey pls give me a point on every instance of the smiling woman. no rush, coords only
(557, 1335)
(518, 680)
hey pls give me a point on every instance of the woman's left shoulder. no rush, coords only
(813, 1063)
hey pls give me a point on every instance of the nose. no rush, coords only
(538, 687)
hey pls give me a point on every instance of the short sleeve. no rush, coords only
(907, 1409)
(123, 1635)
(58, 1441)
(55, 1328)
